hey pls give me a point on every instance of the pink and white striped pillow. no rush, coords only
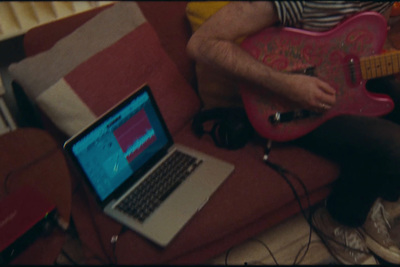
(100, 63)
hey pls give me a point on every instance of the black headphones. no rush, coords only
(231, 129)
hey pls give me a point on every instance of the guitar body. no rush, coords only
(334, 57)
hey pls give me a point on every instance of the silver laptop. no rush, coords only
(138, 175)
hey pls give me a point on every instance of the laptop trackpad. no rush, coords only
(190, 197)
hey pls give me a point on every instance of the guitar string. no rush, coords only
(338, 68)
(392, 56)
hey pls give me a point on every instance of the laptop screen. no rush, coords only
(121, 143)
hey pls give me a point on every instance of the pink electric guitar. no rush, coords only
(345, 57)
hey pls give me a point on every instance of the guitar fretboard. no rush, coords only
(380, 65)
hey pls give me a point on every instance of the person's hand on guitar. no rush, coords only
(309, 92)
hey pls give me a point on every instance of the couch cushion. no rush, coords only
(48, 37)
(93, 68)
(173, 35)
(37, 73)
(198, 12)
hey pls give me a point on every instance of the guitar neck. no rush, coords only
(380, 65)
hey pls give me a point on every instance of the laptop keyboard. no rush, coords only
(145, 198)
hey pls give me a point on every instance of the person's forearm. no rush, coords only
(213, 44)
(232, 60)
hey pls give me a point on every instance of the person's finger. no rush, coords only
(326, 88)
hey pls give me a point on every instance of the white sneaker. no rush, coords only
(346, 244)
(376, 231)
(393, 208)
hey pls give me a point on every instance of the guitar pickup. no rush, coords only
(309, 71)
(291, 116)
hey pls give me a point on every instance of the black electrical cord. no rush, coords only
(68, 257)
(95, 227)
(73, 233)
(267, 248)
(114, 240)
(256, 240)
(283, 173)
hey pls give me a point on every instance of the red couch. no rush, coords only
(253, 199)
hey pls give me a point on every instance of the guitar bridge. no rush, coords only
(291, 116)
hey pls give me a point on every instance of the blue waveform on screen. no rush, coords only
(139, 142)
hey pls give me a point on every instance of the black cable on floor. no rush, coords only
(283, 173)
(69, 258)
(73, 233)
(256, 240)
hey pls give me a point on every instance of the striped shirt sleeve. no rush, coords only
(289, 12)
(323, 15)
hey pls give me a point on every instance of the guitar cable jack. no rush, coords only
(267, 149)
